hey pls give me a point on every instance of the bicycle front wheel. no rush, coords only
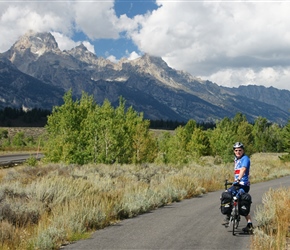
(235, 219)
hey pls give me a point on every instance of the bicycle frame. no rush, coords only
(235, 216)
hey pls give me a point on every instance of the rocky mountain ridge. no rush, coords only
(147, 83)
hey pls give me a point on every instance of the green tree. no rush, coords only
(3, 133)
(177, 147)
(4, 139)
(275, 138)
(267, 137)
(286, 142)
(163, 143)
(64, 127)
(199, 145)
(222, 139)
(81, 132)
(260, 134)
(227, 132)
(106, 133)
(144, 144)
(19, 139)
(244, 134)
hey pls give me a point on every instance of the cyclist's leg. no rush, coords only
(232, 190)
(240, 192)
(249, 227)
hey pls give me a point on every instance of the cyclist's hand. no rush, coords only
(236, 183)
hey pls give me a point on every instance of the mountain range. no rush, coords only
(35, 73)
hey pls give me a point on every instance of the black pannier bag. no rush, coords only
(245, 204)
(226, 203)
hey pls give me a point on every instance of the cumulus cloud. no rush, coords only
(66, 43)
(277, 77)
(220, 40)
(228, 42)
(96, 19)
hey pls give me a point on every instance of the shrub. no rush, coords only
(31, 161)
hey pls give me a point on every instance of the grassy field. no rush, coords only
(49, 205)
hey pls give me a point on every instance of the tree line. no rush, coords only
(11, 117)
(36, 117)
(81, 131)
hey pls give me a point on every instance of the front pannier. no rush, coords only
(245, 204)
(226, 203)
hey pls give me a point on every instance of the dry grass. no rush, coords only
(266, 166)
(46, 206)
(273, 218)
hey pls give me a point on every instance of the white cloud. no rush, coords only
(112, 59)
(64, 42)
(17, 19)
(277, 77)
(133, 55)
(221, 40)
(228, 42)
(96, 19)
(89, 46)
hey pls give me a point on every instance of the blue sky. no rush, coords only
(133, 8)
(122, 46)
(231, 43)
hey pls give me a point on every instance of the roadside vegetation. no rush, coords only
(103, 164)
(273, 218)
(46, 206)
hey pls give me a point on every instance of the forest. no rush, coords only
(82, 131)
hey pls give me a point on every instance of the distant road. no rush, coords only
(191, 224)
(13, 159)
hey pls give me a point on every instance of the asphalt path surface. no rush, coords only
(6, 160)
(191, 224)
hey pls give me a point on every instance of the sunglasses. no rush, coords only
(238, 150)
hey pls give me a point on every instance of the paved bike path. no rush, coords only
(13, 159)
(191, 224)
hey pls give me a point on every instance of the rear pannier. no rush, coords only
(245, 204)
(226, 203)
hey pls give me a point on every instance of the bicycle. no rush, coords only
(235, 216)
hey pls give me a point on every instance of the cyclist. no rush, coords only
(241, 175)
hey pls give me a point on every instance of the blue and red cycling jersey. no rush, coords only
(244, 161)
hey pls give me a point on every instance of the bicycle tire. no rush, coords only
(235, 219)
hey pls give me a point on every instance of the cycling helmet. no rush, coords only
(238, 145)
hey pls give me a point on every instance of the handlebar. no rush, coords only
(227, 183)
